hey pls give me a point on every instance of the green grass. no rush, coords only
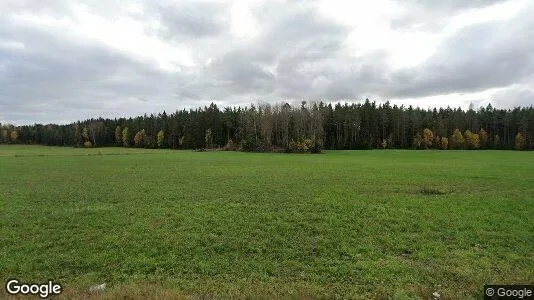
(343, 224)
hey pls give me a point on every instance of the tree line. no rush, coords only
(308, 127)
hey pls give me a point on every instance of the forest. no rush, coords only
(308, 127)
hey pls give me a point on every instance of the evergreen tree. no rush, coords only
(272, 127)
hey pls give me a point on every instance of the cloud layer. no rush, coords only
(61, 61)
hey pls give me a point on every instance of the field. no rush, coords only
(342, 224)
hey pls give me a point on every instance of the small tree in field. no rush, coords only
(519, 141)
(160, 138)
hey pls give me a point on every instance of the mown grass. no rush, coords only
(343, 224)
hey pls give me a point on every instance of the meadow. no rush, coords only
(398, 224)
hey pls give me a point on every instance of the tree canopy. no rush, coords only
(308, 127)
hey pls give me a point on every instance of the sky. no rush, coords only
(64, 60)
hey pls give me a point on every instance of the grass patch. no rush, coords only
(425, 190)
(345, 224)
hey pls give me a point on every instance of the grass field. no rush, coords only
(343, 224)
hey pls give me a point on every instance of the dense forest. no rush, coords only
(308, 127)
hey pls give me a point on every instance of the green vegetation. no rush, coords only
(305, 128)
(347, 224)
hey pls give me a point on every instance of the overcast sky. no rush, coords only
(64, 60)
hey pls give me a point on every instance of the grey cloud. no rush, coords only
(297, 42)
(433, 15)
(480, 57)
(515, 96)
(297, 54)
(195, 19)
(476, 58)
(361, 76)
(248, 75)
(50, 79)
(296, 28)
(282, 61)
(54, 7)
(455, 5)
(229, 75)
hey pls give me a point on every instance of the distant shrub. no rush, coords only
(417, 141)
(230, 146)
(306, 145)
(253, 144)
(388, 142)
(519, 141)
(437, 142)
(427, 190)
(444, 143)
(88, 144)
(292, 147)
